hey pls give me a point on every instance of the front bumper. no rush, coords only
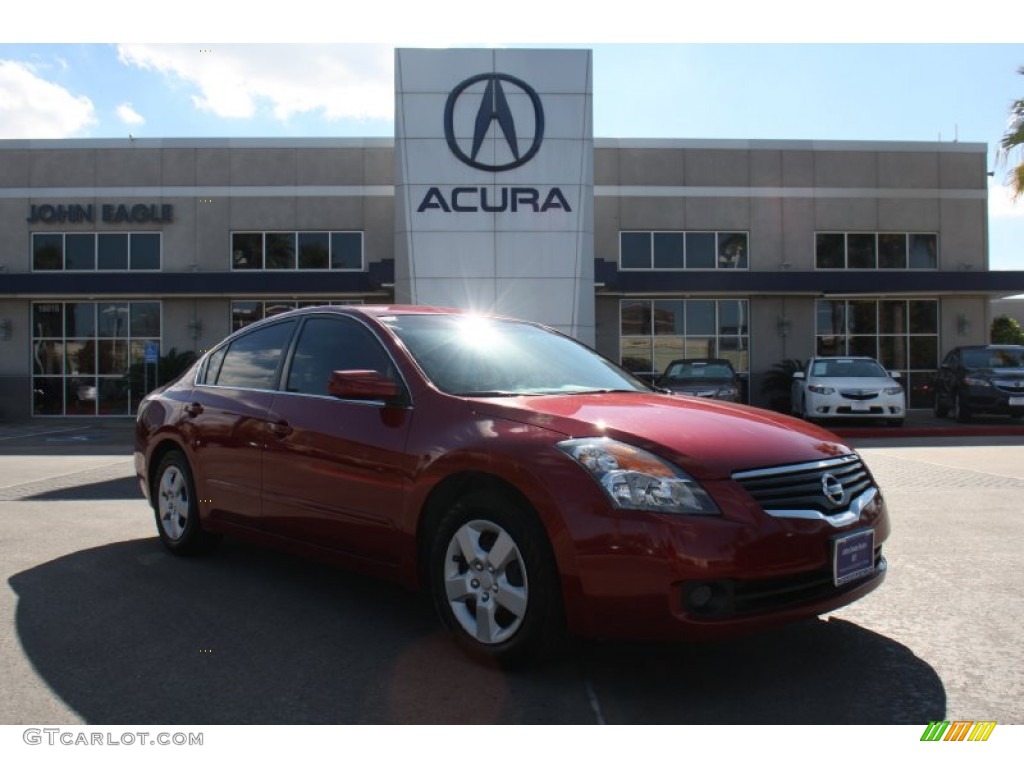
(838, 407)
(675, 577)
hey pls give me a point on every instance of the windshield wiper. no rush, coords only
(492, 393)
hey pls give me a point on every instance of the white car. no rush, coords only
(848, 388)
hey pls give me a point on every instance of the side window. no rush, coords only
(329, 344)
(213, 363)
(252, 360)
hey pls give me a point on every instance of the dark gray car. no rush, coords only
(981, 379)
(705, 377)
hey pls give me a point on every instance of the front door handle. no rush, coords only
(280, 428)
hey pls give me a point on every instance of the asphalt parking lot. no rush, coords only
(99, 625)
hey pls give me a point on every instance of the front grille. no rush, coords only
(858, 395)
(802, 486)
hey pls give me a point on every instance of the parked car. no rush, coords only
(848, 388)
(704, 377)
(531, 485)
(981, 379)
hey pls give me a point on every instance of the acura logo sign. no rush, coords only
(493, 110)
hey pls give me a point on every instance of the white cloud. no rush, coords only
(128, 115)
(1001, 204)
(235, 81)
(34, 108)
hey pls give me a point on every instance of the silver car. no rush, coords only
(848, 388)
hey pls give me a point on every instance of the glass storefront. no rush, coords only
(87, 356)
(902, 334)
(654, 332)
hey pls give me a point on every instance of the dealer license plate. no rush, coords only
(1017, 401)
(853, 557)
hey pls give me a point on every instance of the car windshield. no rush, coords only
(699, 371)
(483, 357)
(993, 358)
(847, 369)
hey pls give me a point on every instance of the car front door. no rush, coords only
(335, 471)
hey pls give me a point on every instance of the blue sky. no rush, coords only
(842, 89)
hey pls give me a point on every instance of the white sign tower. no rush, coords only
(494, 183)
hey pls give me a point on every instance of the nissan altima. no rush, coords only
(533, 488)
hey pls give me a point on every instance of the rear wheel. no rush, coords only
(493, 579)
(177, 508)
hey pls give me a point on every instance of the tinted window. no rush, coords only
(329, 344)
(635, 250)
(145, 251)
(113, 251)
(252, 360)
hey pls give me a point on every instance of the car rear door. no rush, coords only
(226, 421)
(335, 471)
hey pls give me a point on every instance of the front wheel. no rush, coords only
(493, 579)
(940, 409)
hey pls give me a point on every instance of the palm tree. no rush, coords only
(1012, 140)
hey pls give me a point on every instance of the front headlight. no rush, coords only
(636, 479)
(970, 381)
(821, 390)
(728, 392)
(893, 390)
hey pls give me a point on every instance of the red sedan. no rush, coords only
(531, 485)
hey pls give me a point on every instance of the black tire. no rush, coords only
(508, 610)
(895, 422)
(176, 508)
(960, 412)
(940, 410)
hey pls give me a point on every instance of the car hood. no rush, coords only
(856, 382)
(707, 438)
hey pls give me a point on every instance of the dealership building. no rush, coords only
(493, 195)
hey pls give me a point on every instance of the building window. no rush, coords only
(871, 250)
(902, 334)
(297, 250)
(87, 356)
(247, 311)
(683, 250)
(654, 332)
(91, 251)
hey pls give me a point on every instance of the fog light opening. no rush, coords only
(706, 598)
